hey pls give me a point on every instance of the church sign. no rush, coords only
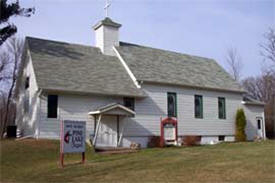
(72, 138)
(169, 131)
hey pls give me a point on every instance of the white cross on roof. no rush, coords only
(108, 4)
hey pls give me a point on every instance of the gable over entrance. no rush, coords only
(108, 132)
(114, 109)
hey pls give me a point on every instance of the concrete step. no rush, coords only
(117, 152)
(112, 150)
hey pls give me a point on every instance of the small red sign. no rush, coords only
(168, 128)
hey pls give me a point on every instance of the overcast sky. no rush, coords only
(205, 28)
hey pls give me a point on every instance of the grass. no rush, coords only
(37, 161)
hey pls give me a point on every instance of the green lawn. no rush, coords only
(37, 161)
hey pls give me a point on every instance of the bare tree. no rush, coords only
(263, 88)
(234, 63)
(268, 53)
(13, 50)
(4, 64)
(268, 47)
(252, 86)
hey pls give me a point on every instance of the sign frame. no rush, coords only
(75, 137)
(168, 121)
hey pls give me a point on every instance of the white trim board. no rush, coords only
(127, 68)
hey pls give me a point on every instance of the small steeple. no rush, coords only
(107, 35)
(107, 22)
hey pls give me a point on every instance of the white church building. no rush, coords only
(123, 90)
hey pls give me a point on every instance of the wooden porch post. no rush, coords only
(121, 134)
(117, 130)
(97, 128)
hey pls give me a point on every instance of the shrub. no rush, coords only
(135, 146)
(240, 136)
(240, 126)
(191, 140)
(154, 141)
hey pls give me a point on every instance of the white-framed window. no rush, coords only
(52, 106)
(221, 106)
(198, 101)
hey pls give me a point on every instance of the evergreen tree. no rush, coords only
(240, 126)
(6, 12)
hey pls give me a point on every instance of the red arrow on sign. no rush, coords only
(66, 137)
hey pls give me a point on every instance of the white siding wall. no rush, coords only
(148, 112)
(251, 113)
(106, 37)
(99, 38)
(20, 101)
(111, 38)
(26, 119)
(71, 107)
(151, 109)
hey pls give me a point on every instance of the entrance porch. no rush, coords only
(110, 125)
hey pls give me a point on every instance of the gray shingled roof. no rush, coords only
(161, 66)
(107, 21)
(62, 66)
(249, 100)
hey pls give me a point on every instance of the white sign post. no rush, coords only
(72, 138)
